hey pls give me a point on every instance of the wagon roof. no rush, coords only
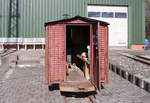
(76, 18)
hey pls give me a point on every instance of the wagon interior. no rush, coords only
(77, 41)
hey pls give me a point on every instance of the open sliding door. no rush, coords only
(99, 54)
(103, 52)
(94, 59)
(55, 53)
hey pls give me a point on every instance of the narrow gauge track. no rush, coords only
(139, 58)
(88, 99)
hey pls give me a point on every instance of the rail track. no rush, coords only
(88, 99)
(140, 58)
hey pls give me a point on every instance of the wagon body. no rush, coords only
(55, 52)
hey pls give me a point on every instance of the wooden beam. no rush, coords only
(80, 86)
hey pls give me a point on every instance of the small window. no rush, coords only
(120, 15)
(107, 14)
(93, 14)
(95, 39)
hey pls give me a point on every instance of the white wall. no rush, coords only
(118, 28)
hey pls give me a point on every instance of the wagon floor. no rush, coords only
(76, 82)
(75, 74)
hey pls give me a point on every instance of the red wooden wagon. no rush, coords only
(66, 40)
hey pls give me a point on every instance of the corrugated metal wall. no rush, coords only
(3, 18)
(33, 14)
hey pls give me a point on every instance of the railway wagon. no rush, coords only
(76, 54)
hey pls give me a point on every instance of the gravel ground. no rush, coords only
(27, 85)
(3, 67)
(119, 90)
(78, 100)
(129, 64)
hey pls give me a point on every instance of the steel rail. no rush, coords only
(137, 58)
(90, 99)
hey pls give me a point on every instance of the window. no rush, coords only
(93, 14)
(107, 14)
(120, 15)
(95, 39)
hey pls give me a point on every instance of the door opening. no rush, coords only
(77, 41)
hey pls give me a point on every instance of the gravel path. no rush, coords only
(129, 64)
(27, 85)
(119, 90)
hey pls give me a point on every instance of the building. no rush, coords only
(22, 21)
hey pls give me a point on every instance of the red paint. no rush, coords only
(55, 52)
(55, 57)
(10, 46)
(103, 52)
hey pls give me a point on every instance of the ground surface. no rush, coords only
(121, 91)
(129, 64)
(135, 71)
(26, 84)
